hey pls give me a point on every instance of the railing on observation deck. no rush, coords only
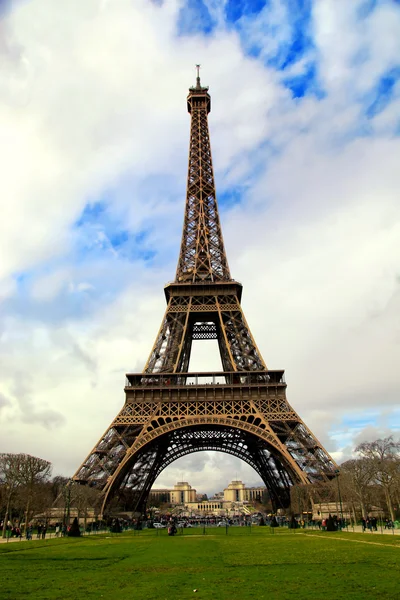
(244, 378)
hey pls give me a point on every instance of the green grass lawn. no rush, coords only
(240, 565)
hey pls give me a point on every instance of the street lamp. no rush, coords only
(337, 473)
(68, 499)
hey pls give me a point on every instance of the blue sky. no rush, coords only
(305, 126)
(295, 47)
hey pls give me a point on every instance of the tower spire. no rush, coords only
(202, 256)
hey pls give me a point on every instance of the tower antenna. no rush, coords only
(198, 76)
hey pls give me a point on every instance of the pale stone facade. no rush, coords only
(322, 510)
(233, 500)
(182, 493)
(238, 492)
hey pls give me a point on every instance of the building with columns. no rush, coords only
(235, 499)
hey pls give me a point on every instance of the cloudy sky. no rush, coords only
(305, 129)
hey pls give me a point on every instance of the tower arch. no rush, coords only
(245, 441)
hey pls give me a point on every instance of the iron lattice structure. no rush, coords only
(170, 412)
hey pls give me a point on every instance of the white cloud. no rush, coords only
(92, 107)
(355, 51)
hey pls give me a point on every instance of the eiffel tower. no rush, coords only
(170, 412)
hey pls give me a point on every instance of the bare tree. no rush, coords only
(321, 494)
(357, 477)
(34, 472)
(300, 499)
(10, 467)
(22, 472)
(85, 499)
(41, 502)
(384, 457)
(57, 486)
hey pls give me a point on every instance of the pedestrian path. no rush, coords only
(367, 532)
(49, 536)
(12, 539)
(23, 539)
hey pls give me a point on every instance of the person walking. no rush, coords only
(363, 524)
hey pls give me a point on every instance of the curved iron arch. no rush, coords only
(151, 459)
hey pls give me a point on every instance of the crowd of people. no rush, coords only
(13, 530)
(371, 523)
(331, 523)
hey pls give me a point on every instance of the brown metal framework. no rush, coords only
(170, 412)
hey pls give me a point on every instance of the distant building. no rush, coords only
(218, 496)
(201, 497)
(238, 492)
(159, 496)
(322, 510)
(182, 493)
(235, 499)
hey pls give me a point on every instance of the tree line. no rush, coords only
(28, 492)
(370, 481)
